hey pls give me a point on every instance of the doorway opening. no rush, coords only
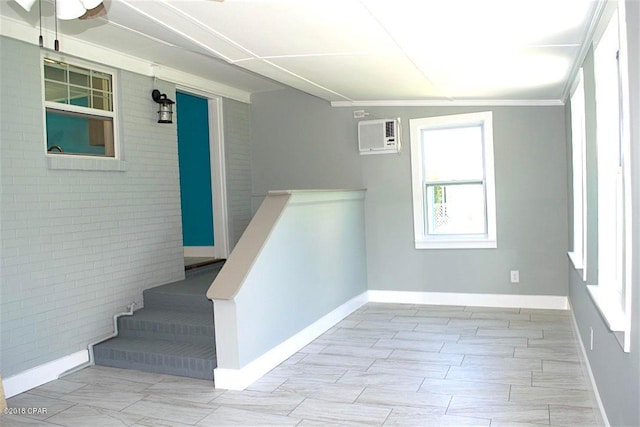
(202, 178)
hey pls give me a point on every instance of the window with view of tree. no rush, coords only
(453, 184)
(79, 110)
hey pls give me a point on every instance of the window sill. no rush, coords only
(610, 311)
(613, 316)
(576, 260)
(449, 243)
(579, 264)
(85, 163)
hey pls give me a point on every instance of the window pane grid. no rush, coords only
(83, 87)
(80, 117)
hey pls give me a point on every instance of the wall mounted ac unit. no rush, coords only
(379, 136)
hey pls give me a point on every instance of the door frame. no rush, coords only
(218, 173)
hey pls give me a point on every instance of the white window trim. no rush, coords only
(421, 238)
(616, 313)
(79, 161)
(578, 255)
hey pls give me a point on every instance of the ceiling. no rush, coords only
(354, 52)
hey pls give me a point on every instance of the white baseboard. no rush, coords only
(475, 300)
(42, 374)
(200, 251)
(239, 379)
(589, 372)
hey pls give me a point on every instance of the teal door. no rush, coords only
(195, 170)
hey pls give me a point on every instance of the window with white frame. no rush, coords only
(79, 109)
(578, 157)
(612, 294)
(453, 181)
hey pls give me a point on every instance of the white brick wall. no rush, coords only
(78, 246)
(238, 167)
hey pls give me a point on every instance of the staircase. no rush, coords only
(173, 334)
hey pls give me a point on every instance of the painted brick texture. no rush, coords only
(77, 246)
(238, 167)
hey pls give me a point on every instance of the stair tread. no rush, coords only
(196, 285)
(198, 351)
(196, 318)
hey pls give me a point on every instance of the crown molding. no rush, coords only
(452, 103)
(598, 10)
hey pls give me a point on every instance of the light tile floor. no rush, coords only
(385, 364)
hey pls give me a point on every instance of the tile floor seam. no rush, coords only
(409, 361)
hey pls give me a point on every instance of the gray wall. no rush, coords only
(617, 374)
(236, 130)
(78, 246)
(299, 141)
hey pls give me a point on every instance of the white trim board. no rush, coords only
(586, 366)
(42, 374)
(475, 300)
(239, 379)
(451, 103)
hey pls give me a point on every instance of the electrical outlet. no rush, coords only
(590, 338)
(515, 276)
(359, 114)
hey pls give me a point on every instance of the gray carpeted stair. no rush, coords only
(172, 334)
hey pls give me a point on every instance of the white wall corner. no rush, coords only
(239, 379)
(554, 302)
(34, 377)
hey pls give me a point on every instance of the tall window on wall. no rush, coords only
(453, 181)
(613, 292)
(79, 109)
(578, 157)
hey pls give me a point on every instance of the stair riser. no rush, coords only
(131, 327)
(158, 363)
(203, 270)
(192, 338)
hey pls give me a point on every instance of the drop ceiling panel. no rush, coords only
(364, 77)
(279, 74)
(486, 24)
(108, 35)
(351, 50)
(166, 22)
(205, 67)
(510, 76)
(294, 27)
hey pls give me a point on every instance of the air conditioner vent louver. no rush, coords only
(379, 136)
(389, 126)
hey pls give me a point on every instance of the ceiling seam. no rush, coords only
(211, 30)
(426, 76)
(255, 56)
(306, 80)
(180, 33)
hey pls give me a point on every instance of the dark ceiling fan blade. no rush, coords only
(95, 12)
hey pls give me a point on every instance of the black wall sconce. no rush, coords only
(165, 113)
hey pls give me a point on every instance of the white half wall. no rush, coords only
(311, 263)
